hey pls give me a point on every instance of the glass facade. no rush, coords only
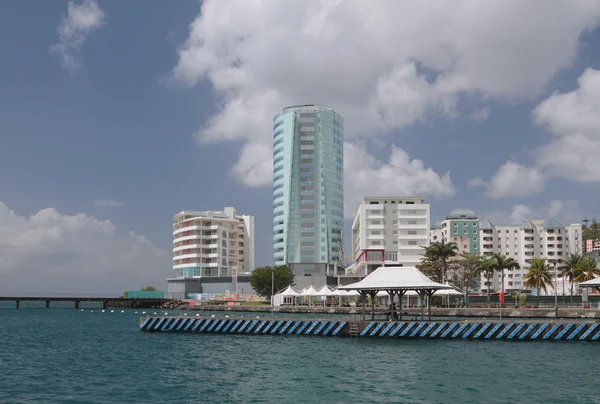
(308, 186)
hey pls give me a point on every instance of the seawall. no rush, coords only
(571, 313)
(535, 330)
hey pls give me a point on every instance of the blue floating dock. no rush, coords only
(466, 330)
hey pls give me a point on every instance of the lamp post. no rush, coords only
(272, 289)
(555, 290)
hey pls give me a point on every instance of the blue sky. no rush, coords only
(161, 106)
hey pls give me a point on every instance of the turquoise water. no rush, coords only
(70, 356)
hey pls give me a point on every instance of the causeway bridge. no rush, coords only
(510, 330)
(107, 301)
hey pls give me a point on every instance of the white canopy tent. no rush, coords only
(288, 292)
(309, 291)
(395, 281)
(591, 283)
(325, 291)
(280, 297)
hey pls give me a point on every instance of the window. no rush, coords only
(412, 242)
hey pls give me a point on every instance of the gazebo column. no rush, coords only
(391, 293)
(422, 293)
(373, 294)
(430, 293)
(363, 295)
(401, 294)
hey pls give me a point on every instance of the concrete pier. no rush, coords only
(540, 330)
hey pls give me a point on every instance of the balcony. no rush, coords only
(405, 236)
(408, 213)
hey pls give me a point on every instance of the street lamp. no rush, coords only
(555, 290)
(272, 289)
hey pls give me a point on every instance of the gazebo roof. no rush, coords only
(395, 278)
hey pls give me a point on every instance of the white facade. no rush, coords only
(212, 244)
(532, 238)
(389, 231)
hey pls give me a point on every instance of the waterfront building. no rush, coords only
(461, 226)
(388, 231)
(532, 238)
(213, 252)
(308, 192)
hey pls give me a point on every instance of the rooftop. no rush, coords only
(551, 223)
(462, 213)
(527, 224)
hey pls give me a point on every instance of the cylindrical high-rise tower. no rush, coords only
(308, 191)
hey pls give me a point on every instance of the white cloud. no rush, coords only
(49, 252)
(364, 175)
(480, 115)
(574, 118)
(107, 203)
(81, 20)
(573, 153)
(565, 211)
(382, 68)
(511, 180)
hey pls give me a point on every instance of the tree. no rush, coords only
(260, 279)
(587, 270)
(464, 274)
(148, 289)
(569, 267)
(442, 252)
(592, 231)
(538, 275)
(502, 262)
(431, 267)
(485, 267)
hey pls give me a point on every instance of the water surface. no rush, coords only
(71, 356)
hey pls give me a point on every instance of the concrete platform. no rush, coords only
(535, 330)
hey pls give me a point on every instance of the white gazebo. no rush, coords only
(396, 281)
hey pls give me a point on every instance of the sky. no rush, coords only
(114, 116)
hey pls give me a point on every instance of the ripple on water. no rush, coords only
(84, 357)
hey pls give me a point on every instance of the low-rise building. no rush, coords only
(213, 252)
(592, 244)
(388, 231)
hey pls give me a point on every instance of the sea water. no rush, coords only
(72, 356)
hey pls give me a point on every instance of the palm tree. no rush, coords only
(440, 250)
(570, 265)
(485, 268)
(502, 262)
(587, 270)
(538, 275)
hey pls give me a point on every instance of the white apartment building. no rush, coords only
(388, 231)
(213, 251)
(532, 238)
